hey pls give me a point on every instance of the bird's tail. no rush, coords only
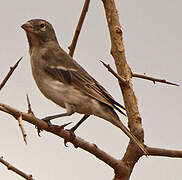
(111, 116)
(132, 137)
(126, 130)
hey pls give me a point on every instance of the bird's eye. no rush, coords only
(42, 25)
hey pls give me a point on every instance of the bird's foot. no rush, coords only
(48, 121)
(72, 136)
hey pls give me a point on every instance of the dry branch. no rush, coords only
(120, 79)
(134, 120)
(119, 166)
(124, 82)
(21, 128)
(59, 131)
(164, 152)
(9, 74)
(78, 28)
(14, 169)
(124, 167)
(141, 76)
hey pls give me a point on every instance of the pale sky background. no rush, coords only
(152, 37)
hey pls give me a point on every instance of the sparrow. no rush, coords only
(62, 80)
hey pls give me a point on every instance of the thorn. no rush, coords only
(64, 125)
(65, 143)
(29, 106)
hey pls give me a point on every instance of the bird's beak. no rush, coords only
(27, 27)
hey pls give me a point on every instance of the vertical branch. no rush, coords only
(19, 118)
(118, 52)
(78, 28)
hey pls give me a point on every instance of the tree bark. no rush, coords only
(133, 153)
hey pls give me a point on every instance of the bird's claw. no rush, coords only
(45, 120)
(38, 131)
(72, 136)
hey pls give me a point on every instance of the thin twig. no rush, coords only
(21, 127)
(17, 116)
(153, 79)
(14, 169)
(121, 80)
(9, 74)
(78, 28)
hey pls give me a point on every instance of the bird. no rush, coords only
(62, 80)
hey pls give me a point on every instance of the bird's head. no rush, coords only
(39, 31)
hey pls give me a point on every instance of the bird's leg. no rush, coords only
(79, 123)
(70, 109)
(72, 130)
(49, 118)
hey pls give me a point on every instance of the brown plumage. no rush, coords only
(62, 80)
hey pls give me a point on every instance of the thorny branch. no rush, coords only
(134, 120)
(9, 74)
(132, 154)
(123, 81)
(142, 76)
(124, 167)
(59, 131)
(117, 165)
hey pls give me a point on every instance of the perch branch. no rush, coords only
(78, 28)
(14, 169)
(141, 76)
(59, 131)
(9, 74)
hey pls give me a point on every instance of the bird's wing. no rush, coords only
(70, 72)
